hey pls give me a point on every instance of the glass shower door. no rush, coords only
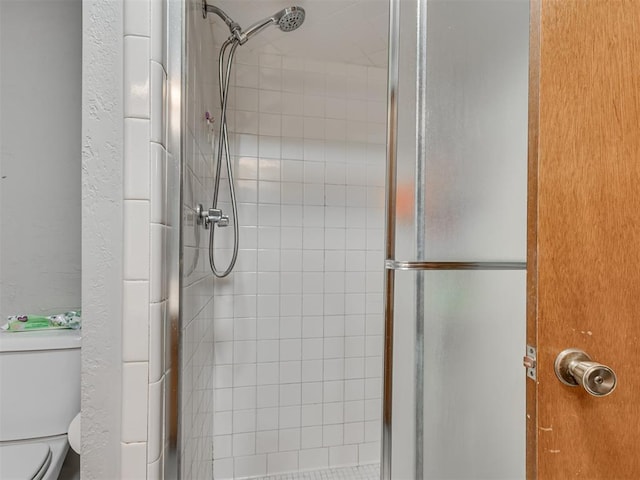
(456, 240)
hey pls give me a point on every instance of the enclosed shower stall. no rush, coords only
(366, 314)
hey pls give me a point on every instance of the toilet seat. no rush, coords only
(24, 461)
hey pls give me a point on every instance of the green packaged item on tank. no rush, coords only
(22, 323)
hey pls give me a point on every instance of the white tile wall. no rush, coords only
(134, 409)
(364, 472)
(298, 324)
(136, 17)
(297, 327)
(136, 240)
(146, 229)
(133, 461)
(136, 76)
(135, 345)
(136, 158)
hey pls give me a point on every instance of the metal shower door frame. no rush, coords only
(391, 264)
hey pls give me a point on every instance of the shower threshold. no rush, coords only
(361, 472)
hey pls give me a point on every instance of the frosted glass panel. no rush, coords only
(476, 133)
(474, 385)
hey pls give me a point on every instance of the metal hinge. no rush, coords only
(529, 362)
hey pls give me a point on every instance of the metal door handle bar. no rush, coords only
(574, 367)
(402, 265)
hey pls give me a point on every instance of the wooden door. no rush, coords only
(584, 234)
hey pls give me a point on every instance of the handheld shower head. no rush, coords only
(290, 18)
(287, 19)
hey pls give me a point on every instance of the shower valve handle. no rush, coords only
(211, 216)
(223, 221)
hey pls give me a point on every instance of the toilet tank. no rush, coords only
(39, 383)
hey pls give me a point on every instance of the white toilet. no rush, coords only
(39, 396)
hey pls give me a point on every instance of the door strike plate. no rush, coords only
(529, 362)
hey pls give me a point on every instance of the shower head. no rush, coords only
(290, 18)
(287, 19)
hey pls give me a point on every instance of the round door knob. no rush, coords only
(574, 367)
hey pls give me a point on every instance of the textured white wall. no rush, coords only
(40, 80)
(102, 234)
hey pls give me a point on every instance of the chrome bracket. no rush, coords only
(211, 216)
(530, 363)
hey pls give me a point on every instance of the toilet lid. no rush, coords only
(27, 461)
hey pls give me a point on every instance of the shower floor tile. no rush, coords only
(362, 472)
